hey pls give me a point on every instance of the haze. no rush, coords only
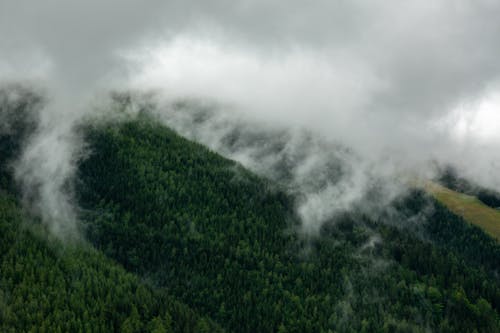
(404, 85)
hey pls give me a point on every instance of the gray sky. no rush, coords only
(426, 56)
(401, 82)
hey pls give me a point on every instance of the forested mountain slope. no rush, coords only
(206, 245)
(51, 286)
(225, 242)
(46, 286)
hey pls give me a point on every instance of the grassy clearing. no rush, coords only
(469, 207)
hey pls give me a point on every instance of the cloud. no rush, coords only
(380, 79)
(399, 84)
(44, 171)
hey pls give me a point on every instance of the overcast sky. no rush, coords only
(409, 81)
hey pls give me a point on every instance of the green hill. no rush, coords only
(178, 238)
(224, 242)
(50, 286)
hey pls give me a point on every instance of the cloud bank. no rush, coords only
(401, 86)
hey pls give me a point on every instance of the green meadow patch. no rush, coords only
(468, 207)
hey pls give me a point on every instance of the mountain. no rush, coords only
(225, 242)
(50, 285)
(177, 238)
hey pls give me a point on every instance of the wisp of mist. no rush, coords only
(332, 101)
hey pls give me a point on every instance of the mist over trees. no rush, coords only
(450, 178)
(223, 241)
(249, 166)
(177, 238)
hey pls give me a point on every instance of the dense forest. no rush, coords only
(48, 285)
(178, 238)
(223, 241)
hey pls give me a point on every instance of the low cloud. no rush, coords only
(387, 89)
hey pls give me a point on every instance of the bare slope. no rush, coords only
(469, 207)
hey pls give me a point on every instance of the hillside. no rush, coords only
(469, 207)
(450, 178)
(178, 238)
(250, 166)
(46, 286)
(224, 242)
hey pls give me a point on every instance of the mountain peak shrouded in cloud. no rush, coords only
(402, 85)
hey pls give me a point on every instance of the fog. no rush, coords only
(389, 89)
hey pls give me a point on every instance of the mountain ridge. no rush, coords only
(224, 247)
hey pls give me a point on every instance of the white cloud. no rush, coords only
(382, 77)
